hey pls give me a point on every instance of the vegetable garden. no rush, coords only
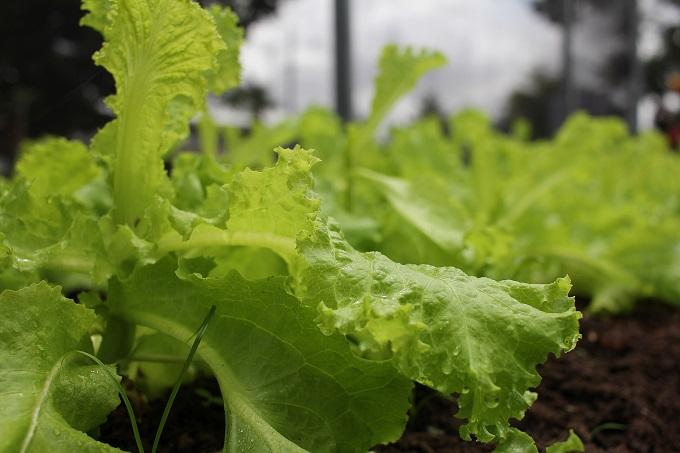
(320, 284)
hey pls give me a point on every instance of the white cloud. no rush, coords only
(656, 15)
(491, 45)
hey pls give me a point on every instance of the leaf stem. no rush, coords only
(349, 168)
(157, 358)
(214, 237)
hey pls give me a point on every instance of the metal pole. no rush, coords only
(290, 79)
(632, 19)
(343, 66)
(567, 61)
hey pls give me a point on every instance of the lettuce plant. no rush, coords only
(594, 202)
(315, 345)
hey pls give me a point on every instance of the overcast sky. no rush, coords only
(492, 47)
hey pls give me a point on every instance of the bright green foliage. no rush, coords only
(49, 220)
(161, 55)
(56, 167)
(315, 344)
(341, 154)
(399, 71)
(411, 201)
(594, 203)
(285, 384)
(55, 180)
(278, 200)
(458, 334)
(227, 74)
(154, 377)
(324, 129)
(519, 442)
(98, 14)
(274, 207)
(255, 149)
(267, 209)
(570, 445)
(516, 442)
(49, 399)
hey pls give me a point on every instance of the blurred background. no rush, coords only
(532, 59)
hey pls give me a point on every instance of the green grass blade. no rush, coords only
(199, 336)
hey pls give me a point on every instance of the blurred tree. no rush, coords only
(252, 98)
(609, 86)
(660, 68)
(662, 76)
(48, 83)
(538, 102)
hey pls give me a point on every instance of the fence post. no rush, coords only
(632, 21)
(567, 60)
(343, 63)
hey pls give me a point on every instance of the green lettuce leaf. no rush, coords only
(571, 445)
(423, 151)
(516, 442)
(415, 205)
(254, 150)
(227, 74)
(49, 399)
(395, 319)
(56, 166)
(48, 215)
(267, 209)
(286, 386)
(277, 201)
(399, 71)
(97, 16)
(458, 334)
(161, 55)
(29, 223)
(156, 363)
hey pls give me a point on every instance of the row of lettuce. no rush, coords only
(319, 332)
(594, 203)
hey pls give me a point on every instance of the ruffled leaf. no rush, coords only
(458, 334)
(161, 55)
(286, 386)
(49, 399)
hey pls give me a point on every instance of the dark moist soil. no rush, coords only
(619, 390)
(195, 423)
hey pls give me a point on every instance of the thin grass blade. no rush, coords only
(199, 336)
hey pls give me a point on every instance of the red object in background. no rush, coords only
(669, 121)
(673, 134)
(669, 124)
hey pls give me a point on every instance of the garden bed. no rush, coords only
(619, 390)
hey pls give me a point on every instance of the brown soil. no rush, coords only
(619, 390)
(195, 423)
